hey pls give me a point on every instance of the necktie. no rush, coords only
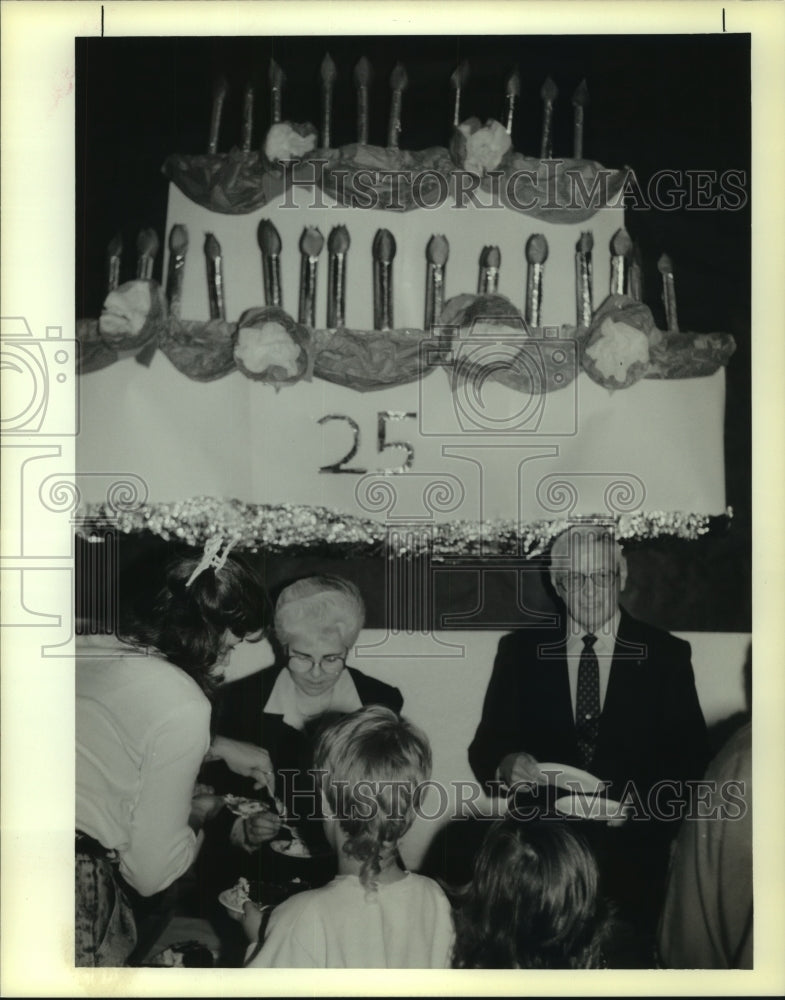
(587, 703)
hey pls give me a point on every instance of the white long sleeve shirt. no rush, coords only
(142, 731)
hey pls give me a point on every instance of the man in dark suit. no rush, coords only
(604, 693)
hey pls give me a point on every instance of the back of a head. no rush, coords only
(374, 764)
(533, 901)
(320, 604)
(185, 619)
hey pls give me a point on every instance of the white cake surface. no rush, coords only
(239, 438)
(468, 229)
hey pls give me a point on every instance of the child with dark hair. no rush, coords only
(533, 902)
(142, 732)
(370, 766)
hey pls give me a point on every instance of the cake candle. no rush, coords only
(513, 92)
(436, 253)
(583, 279)
(277, 77)
(536, 255)
(579, 101)
(270, 244)
(383, 255)
(457, 82)
(665, 267)
(490, 263)
(548, 92)
(398, 82)
(362, 80)
(635, 275)
(338, 243)
(147, 248)
(328, 80)
(248, 103)
(114, 254)
(311, 243)
(178, 248)
(215, 277)
(621, 244)
(219, 96)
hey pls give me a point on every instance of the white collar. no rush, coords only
(297, 708)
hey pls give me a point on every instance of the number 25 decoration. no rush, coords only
(384, 416)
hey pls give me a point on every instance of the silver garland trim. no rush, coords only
(291, 528)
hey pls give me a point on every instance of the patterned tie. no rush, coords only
(587, 707)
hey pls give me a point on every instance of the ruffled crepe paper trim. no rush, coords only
(291, 529)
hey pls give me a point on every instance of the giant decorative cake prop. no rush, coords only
(357, 338)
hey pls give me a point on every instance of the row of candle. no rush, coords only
(398, 83)
(625, 273)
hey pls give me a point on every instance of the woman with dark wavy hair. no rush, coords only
(143, 730)
(533, 902)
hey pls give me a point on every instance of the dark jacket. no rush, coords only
(651, 727)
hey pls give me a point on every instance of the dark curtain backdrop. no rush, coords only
(680, 103)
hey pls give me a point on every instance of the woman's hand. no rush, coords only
(246, 759)
(251, 920)
(262, 827)
(204, 808)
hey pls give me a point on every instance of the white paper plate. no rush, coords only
(228, 898)
(589, 807)
(572, 778)
(286, 847)
(242, 806)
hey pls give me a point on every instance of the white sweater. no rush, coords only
(142, 730)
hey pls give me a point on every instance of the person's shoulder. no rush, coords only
(427, 887)
(630, 626)
(372, 691)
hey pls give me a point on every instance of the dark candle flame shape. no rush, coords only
(665, 264)
(384, 246)
(178, 239)
(311, 241)
(220, 87)
(460, 75)
(581, 96)
(147, 243)
(586, 242)
(491, 257)
(268, 238)
(362, 72)
(276, 74)
(328, 70)
(398, 78)
(115, 246)
(338, 241)
(514, 84)
(212, 248)
(536, 249)
(549, 91)
(438, 250)
(621, 244)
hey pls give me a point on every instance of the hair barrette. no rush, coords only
(212, 557)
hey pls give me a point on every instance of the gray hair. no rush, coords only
(320, 604)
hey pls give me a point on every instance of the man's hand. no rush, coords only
(246, 759)
(518, 767)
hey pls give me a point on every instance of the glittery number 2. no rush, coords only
(384, 415)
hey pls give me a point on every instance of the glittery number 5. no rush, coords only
(384, 416)
(340, 465)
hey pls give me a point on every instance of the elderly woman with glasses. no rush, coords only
(316, 623)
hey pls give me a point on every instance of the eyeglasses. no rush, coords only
(332, 663)
(600, 578)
